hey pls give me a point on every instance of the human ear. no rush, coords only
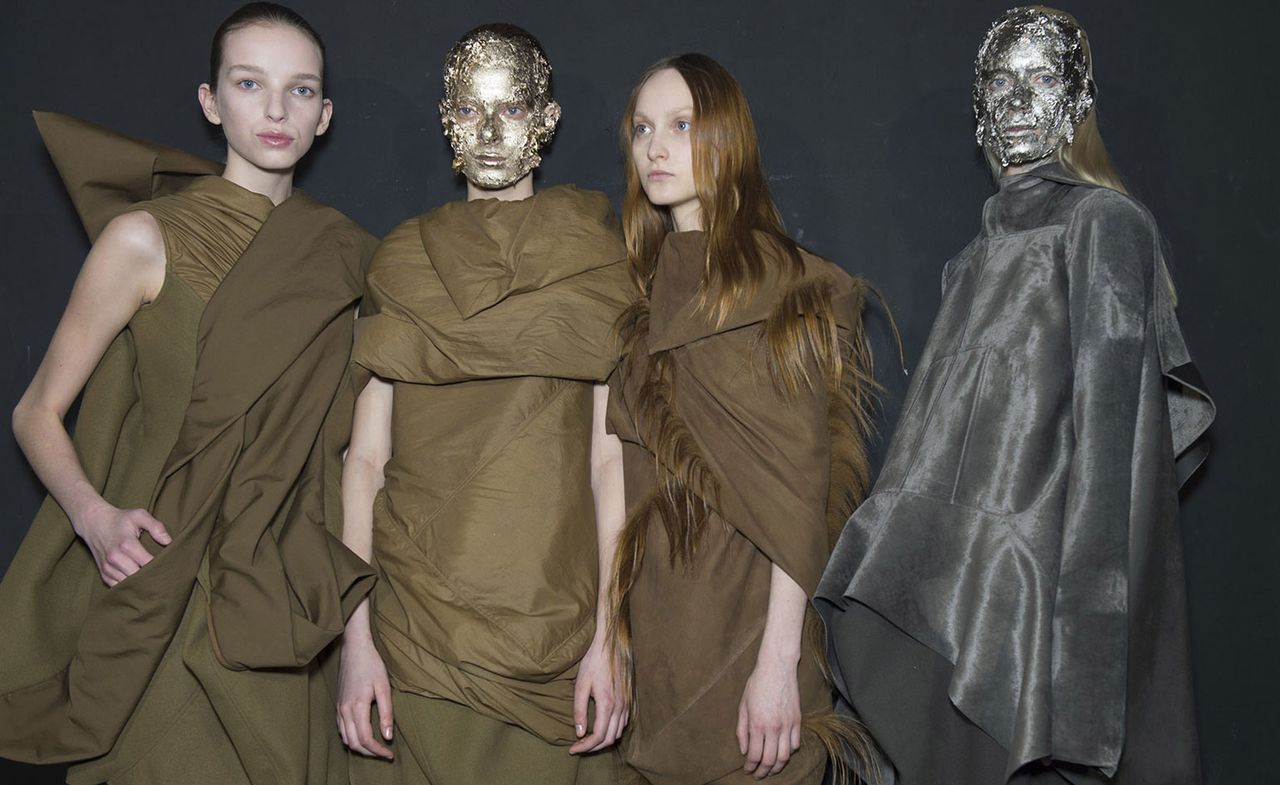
(326, 114)
(208, 103)
(551, 116)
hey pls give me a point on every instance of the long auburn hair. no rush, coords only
(804, 352)
(731, 186)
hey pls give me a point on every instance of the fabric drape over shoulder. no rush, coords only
(1024, 528)
(492, 319)
(492, 289)
(702, 423)
(241, 468)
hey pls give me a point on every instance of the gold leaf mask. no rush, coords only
(497, 110)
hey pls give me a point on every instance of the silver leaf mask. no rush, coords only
(1031, 86)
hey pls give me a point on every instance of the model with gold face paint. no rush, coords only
(485, 322)
(497, 111)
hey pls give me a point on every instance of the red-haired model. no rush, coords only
(737, 450)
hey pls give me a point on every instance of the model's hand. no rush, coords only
(363, 683)
(769, 718)
(598, 680)
(112, 536)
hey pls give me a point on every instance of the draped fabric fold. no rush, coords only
(492, 319)
(492, 289)
(1024, 527)
(761, 461)
(247, 489)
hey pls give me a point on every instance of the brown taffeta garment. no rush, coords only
(492, 319)
(1008, 605)
(222, 408)
(696, 630)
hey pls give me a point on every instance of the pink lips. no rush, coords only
(276, 139)
(659, 174)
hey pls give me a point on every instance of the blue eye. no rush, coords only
(999, 81)
(1048, 80)
(514, 111)
(683, 125)
(466, 111)
(640, 129)
(247, 84)
(304, 91)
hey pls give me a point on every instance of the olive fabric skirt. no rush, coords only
(438, 742)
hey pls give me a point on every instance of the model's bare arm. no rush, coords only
(362, 681)
(769, 714)
(598, 677)
(124, 270)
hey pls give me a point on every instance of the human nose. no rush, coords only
(657, 148)
(489, 128)
(276, 106)
(1020, 96)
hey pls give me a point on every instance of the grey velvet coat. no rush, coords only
(1021, 543)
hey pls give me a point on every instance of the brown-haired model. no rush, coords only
(741, 405)
(163, 613)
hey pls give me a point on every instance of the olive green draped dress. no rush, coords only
(492, 320)
(238, 456)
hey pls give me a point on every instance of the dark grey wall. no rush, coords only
(863, 111)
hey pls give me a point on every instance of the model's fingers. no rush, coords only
(134, 550)
(614, 731)
(122, 563)
(581, 695)
(755, 748)
(599, 724)
(742, 729)
(609, 727)
(382, 697)
(353, 736)
(795, 738)
(110, 575)
(342, 731)
(768, 755)
(364, 732)
(784, 753)
(153, 527)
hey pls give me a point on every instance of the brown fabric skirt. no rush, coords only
(438, 742)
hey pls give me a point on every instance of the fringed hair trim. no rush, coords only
(687, 490)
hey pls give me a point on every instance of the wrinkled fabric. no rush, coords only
(233, 443)
(696, 630)
(1024, 527)
(492, 319)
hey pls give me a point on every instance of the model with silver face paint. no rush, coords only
(484, 325)
(1032, 85)
(1014, 581)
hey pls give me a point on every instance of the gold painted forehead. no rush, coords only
(516, 54)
